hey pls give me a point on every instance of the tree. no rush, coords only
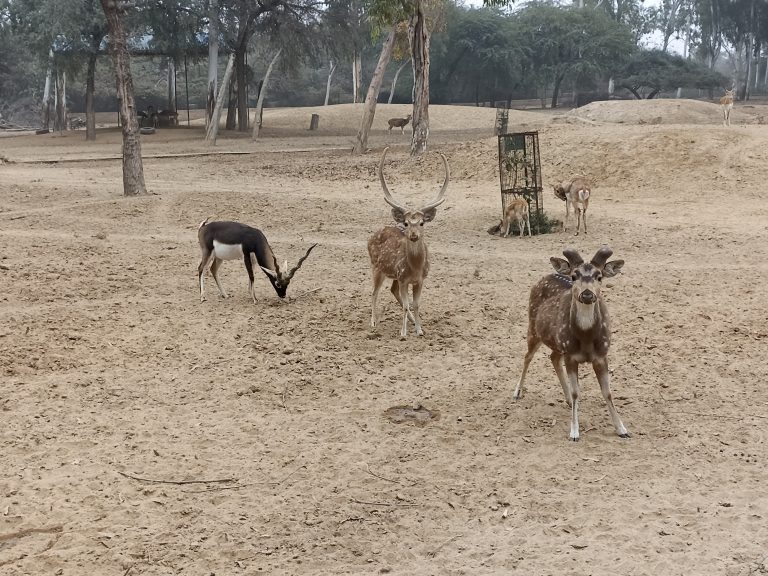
(569, 42)
(361, 140)
(655, 71)
(415, 12)
(133, 169)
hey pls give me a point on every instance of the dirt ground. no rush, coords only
(266, 423)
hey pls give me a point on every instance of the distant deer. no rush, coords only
(517, 211)
(399, 123)
(575, 193)
(726, 103)
(399, 252)
(224, 240)
(567, 313)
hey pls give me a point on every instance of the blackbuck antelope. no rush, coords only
(399, 123)
(726, 103)
(223, 240)
(567, 313)
(575, 193)
(400, 253)
(516, 211)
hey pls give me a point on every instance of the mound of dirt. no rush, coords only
(662, 111)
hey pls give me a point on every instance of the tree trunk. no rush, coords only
(47, 93)
(361, 142)
(213, 126)
(394, 81)
(133, 169)
(241, 78)
(556, 91)
(357, 77)
(60, 121)
(262, 91)
(171, 84)
(90, 87)
(231, 106)
(418, 39)
(328, 84)
(213, 60)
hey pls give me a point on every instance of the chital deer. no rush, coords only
(223, 240)
(517, 210)
(575, 193)
(399, 123)
(726, 103)
(400, 253)
(567, 313)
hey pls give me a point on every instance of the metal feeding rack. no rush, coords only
(520, 172)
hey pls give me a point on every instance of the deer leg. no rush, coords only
(205, 260)
(567, 215)
(215, 273)
(378, 280)
(585, 221)
(406, 311)
(578, 220)
(521, 226)
(572, 369)
(557, 363)
(249, 269)
(416, 317)
(603, 376)
(533, 345)
(396, 291)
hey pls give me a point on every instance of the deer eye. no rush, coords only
(421, 223)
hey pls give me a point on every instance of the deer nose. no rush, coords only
(587, 297)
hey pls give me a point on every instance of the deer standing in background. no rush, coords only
(399, 123)
(399, 252)
(726, 103)
(575, 193)
(567, 313)
(517, 211)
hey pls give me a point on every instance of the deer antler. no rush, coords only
(301, 261)
(601, 257)
(574, 259)
(387, 196)
(441, 196)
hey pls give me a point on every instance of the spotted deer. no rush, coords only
(567, 313)
(399, 123)
(516, 211)
(726, 103)
(400, 253)
(223, 240)
(575, 193)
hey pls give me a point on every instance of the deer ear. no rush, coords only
(612, 268)
(561, 266)
(269, 272)
(399, 215)
(430, 214)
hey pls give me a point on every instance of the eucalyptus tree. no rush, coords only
(133, 168)
(347, 29)
(242, 18)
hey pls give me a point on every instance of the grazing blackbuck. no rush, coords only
(567, 313)
(224, 240)
(400, 253)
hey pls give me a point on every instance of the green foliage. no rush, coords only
(543, 224)
(657, 71)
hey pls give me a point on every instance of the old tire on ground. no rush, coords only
(147, 130)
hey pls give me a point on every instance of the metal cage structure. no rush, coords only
(520, 172)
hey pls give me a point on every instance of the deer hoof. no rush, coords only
(625, 435)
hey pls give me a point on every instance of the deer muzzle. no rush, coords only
(587, 297)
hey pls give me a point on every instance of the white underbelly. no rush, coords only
(227, 251)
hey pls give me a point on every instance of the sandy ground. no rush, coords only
(110, 367)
